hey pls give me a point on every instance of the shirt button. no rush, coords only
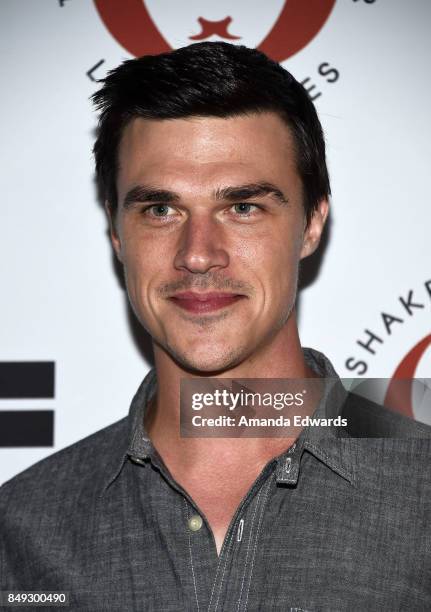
(195, 522)
(288, 465)
(137, 460)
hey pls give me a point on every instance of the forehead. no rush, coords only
(206, 149)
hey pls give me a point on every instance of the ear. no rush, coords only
(115, 240)
(314, 229)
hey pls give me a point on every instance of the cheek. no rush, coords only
(140, 253)
(274, 255)
(276, 262)
(141, 261)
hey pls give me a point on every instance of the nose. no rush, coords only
(201, 247)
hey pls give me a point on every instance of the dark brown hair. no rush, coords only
(208, 79)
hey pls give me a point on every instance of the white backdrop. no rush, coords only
(61, 300)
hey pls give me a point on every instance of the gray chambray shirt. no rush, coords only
(335, 523)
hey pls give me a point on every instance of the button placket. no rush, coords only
(234, 551)
(254, 535)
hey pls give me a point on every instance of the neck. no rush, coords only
(280, 358)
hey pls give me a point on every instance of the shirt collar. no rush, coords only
(328, 444)
(137, 446)
(319, 441)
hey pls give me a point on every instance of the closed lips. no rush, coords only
(204, 302)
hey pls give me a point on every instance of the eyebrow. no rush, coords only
(251, 190)
(146, 193)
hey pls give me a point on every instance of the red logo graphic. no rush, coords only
(400, 390)
(131, 25)
(214, 27)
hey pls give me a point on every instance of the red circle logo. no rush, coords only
(400, 390)
(132, 26)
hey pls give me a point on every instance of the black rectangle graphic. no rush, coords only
(26, 428)
(26, 379)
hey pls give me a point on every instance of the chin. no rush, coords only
(209, 360)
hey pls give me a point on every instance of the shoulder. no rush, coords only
(74, 467)
(391, 454)
(366, 419)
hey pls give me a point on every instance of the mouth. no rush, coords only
(209, 28)
(201, 303)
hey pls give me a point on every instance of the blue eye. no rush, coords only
(159, 210)
(243, 208)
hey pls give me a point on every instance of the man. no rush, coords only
(212, 164)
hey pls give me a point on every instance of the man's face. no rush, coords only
(210, 229)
